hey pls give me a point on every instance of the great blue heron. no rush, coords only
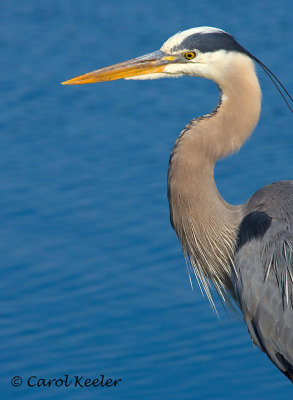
(246, 251)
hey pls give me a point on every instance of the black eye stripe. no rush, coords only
(209, 42)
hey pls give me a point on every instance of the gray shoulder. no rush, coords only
(264, 271)
(269, 209)
(275, 199)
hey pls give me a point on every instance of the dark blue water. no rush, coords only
(92, 276)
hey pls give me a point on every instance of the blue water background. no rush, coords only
(92, 276)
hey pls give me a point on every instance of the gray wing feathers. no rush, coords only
(264, 272)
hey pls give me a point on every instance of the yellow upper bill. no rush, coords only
(148, 64)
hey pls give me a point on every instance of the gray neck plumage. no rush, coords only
(205, 224)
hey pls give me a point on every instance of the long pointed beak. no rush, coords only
(149, 64)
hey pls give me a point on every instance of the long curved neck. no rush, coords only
(205, 224)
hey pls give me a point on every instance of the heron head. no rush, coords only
(203, 51)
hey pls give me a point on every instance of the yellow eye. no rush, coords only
(189, 55)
